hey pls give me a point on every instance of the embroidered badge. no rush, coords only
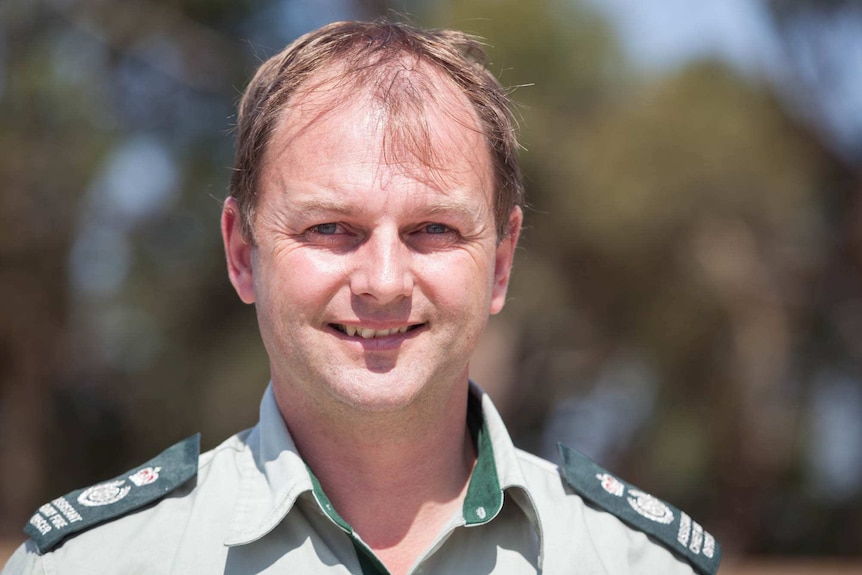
(611, 484)
(51, 513)
(67, 510)
(40, 523)
(104, 493)
(708, 545)
(84, 509)
(692, 536)
(639, 510)
(696, 538)
(145, 476)
(650, 507)
(684, 529)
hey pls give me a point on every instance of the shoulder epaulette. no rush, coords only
(664, 523)
(85, 508)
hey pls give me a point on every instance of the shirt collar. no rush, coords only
(272, 476)
(495, 449)
(496, 443)
(484, 498)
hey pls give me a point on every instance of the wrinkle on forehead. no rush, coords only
(405, 100)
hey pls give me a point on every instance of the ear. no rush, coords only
(503, 261)
(238, 251)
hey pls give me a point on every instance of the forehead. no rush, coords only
(405, 110)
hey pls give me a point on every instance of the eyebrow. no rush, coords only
(453, 208)
(326, 206)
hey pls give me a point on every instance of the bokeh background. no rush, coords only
(687, 301)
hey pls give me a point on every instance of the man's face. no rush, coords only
(373, 274)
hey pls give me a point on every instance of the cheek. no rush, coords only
(300, 281)
(462, 283)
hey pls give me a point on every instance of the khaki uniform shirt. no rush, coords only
(255, 507)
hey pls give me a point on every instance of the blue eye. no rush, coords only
(326, 229)
(436, 229)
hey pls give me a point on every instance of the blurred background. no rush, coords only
(687, 302)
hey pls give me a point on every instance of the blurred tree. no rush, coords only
(821, 43)
(47, 157)
(704, 201)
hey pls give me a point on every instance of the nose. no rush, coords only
(383, 268)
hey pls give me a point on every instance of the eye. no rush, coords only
(332, 235)
(432, 236)
(437, 229)
(327, 229)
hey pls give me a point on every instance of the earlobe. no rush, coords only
(503, 260)
(238, 251)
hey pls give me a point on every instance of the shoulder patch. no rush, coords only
(85, 508)
(672, 527)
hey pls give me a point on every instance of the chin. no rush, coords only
(378, 393)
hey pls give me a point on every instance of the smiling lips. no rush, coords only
(369, 333)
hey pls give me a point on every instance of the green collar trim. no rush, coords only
(368, 562)
(483, 501)
(325, 504)
(484, 498)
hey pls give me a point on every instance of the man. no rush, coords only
(372, 221)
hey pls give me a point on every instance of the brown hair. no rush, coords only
(366, 51)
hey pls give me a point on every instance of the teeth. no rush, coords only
(368, 333)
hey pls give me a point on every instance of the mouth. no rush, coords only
(371, 333)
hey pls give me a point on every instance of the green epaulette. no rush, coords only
(664, 523)
(85, 508)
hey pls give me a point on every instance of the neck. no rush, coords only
(396, 478)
